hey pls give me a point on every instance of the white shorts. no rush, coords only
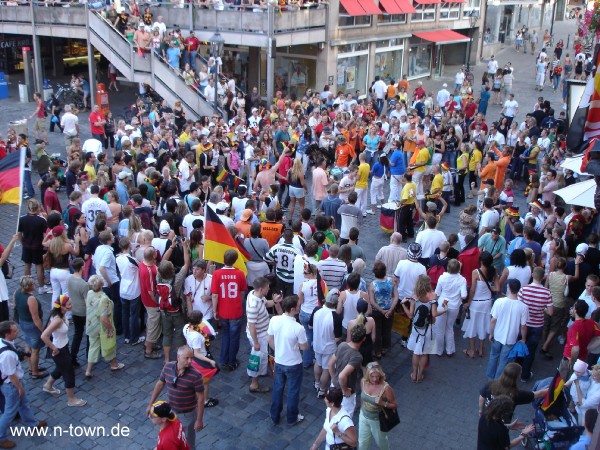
(322, 359)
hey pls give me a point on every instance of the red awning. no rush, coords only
(398, 6)
(361, 7)
(454, 1)
(428, 2)
(442, 37)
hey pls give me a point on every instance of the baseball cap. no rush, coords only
(164, 228)
(580, 250)
(123, 175)
(332, 297)
(222, 206)
(58, 230)
(246, 215)
(128, 128)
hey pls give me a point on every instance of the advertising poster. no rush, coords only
(350, 77)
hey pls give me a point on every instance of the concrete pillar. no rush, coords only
(371, 67)
(91, 74)
(326, 67)
(38, 69)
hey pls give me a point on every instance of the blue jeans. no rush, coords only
(231, 329)
(450, 158)
(307, 355)
(372, 157)
(534, 336)
(28, 183)
(13, 404)
(498, 359)
(293, 376)
(130, 316)
(555, 82)
(190, 58)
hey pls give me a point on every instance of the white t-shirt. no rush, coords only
(489, 219)
(511, 108)
(90, 210)
(323, 331)
(429, 240)
(407, 273)
(379, 88)
(184, 175)
(188, 222)
(129, 288)
(459, 78)
(68, 122)
(238, 204)
(492, 66)
(92, 145)
(451, 287)
(197, 289)
(288, 336)
(343, 421)
(194, 339)
(510, 315)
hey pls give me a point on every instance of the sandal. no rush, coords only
(119, 366)
(78, 402)
(39, 376)
(211, 402)
(88, 376)
(52, 391)
(468, 354)
(259, 390)
(413, 378)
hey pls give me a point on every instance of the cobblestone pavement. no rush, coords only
(439, 413)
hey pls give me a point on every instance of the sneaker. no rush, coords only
(317, 385)
(126, 341)
(45, 290)
(378, 206)
(364, 214)
(299, 419)
(321, 393)
(370, 212)
(404, 342)
(140, 340)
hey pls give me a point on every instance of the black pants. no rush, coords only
(79, 322)
(459, 189)
(4, 312)
(472, 179)
(445, 196)
(383, 331)
(406, 226)
(285, 288)
(53, 124)
(64, 367)
(113, 294)
(280, 194)
(109, 140)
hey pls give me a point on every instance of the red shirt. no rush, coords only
(580, 333)
(172, 437)
(228, 283)
(470, 109)
(285, 165)
(51, 201)
(2, 149)
(96, 117)
(148, 284)
(40, 114)
(191, 44)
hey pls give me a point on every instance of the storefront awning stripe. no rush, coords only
(353, 8)
(454, 1)
(441, 37)
(406, 6)
(428, 2)
(390, 7)
(370, 7)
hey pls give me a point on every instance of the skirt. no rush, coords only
(421, 344)
(478, 325)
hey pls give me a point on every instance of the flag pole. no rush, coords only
(22, 179)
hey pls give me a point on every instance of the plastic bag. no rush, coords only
(254, 363)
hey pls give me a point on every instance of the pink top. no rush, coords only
(319, 184)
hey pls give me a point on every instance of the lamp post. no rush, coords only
(216, 48)
(473, 18)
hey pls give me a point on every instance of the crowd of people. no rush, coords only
(123, 260)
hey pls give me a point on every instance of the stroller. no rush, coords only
(555, 428)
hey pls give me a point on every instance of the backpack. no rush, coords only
(2, 350)
(558, 70)
(66, 215)
(422, 320)
(436, 270)
(118, 145)
(167, 300)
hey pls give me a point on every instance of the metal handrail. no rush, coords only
(205, 61)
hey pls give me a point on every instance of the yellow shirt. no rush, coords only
(409, 193)
(362, 180)
(184, 137)
(476, 157)
(422, 158)
(459, 162)
(91, 172)
(437, 184)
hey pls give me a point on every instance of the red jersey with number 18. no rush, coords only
(228, 283)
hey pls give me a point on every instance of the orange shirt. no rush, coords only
(403, 84)
(489, 171)
(391, 91)
(244, 228)
(410, 146)
(271, 232)
(501, 167)
(345, 153)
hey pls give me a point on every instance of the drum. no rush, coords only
(389, 216)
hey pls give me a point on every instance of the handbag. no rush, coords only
(254, 362)
(388, 419)
(341, 445)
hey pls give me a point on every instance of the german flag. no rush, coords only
(222, 175)
(217, 241)
(10, 177)
(553, 391)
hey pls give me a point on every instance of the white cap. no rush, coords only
(151, 160)
(444, 85)
(164, 228)
(222, 206)
(128, 128)
(123, 175)
(211, 124)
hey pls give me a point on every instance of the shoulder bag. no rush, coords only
(341, 445)
(388, 417)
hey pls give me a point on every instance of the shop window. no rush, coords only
(384, 19)
(470, 7)
(419, 60)
(425, 13)
(346, 20)
(450, 11)
(351, 73)
(388, 65)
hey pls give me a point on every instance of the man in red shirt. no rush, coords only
(191, 46)
(97, 122)
(227, 288)
(147, 273)
(579, 335)
(40, 117)
(171, 435)
(470, 108)
(51, 202)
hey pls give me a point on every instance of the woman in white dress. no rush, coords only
(422, 341)
(338, 427)
(484, 285)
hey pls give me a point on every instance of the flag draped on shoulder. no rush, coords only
(11, 176)
(217, 241)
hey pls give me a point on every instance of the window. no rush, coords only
(386, 19)
(346, 20)
(449, 11)
(419, 58)
(425, 13)
(470, 7)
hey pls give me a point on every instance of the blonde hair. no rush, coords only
(297, 170)
(57, 244)
(423, 286)
(375, 367)
(26, 282)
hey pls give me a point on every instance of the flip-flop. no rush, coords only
(89, 376)
(413, 378)
(52, 391)
(260, 390)
(39, 376)
(78, 402)
(118, 367)
(467, 354)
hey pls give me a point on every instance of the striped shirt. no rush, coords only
(181, 389)
(333, 272)
(536, 297)
(283, 256)
(256, 313)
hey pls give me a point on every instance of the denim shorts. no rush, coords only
(297, 192)
(31, 334)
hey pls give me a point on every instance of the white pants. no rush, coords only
(395, 188)
(58, 279)
(418, 179)
(376, 190)
(349, 404)
(539, 79)
(443, 330)
(361, 202)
